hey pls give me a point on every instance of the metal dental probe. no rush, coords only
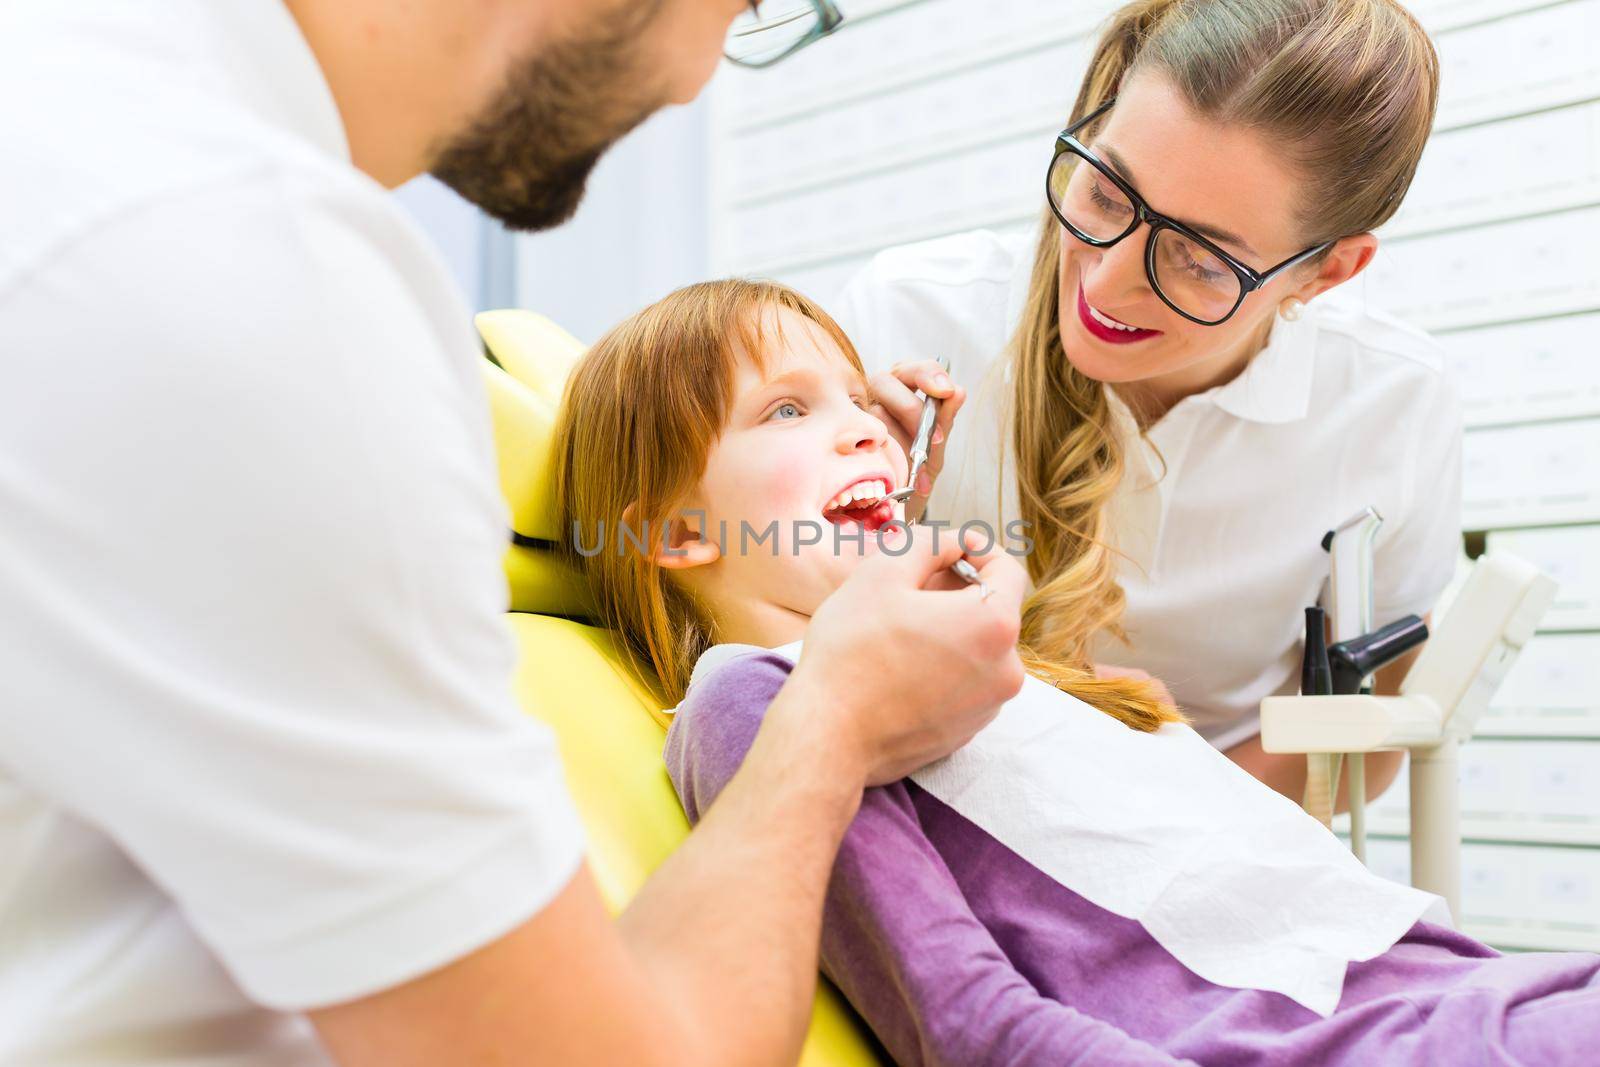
(918, 456)
(921, 442)
(969, 574)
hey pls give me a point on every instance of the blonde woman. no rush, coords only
(1223, 170)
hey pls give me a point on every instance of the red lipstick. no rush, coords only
(1109, 334)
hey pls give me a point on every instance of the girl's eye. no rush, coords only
(786, 410)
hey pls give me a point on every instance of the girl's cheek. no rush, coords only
(788, 485)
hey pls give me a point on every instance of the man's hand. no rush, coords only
(715, 960)
(905, 662)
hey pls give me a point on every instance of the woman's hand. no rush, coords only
(894, 400)
(1162, 693)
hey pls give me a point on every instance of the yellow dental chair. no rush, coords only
(572, 675)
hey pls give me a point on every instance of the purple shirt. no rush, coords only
(957, 951)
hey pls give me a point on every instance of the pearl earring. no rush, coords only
(1290, 309)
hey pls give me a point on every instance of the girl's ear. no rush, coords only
(680, 543)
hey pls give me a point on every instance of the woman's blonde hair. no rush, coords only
(1347, 89)
(640, 415)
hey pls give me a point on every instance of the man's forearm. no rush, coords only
(730, 923)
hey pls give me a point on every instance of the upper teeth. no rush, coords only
(1102, 320)
(871, 489)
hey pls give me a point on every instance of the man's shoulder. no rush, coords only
(85, 194)
(137, 133)
(263, 306)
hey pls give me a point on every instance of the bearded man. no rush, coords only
(265, 796)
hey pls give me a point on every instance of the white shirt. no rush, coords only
(258, 751)
(1342, 409)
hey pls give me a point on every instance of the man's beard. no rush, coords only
(527, 158)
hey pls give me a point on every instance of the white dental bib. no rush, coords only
(1236, 881)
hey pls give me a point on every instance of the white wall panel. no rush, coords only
(1442, 16)
(1525, 166)
(1527, 475)
(1511, 66)
(1493, 273)
(1570, 555)
(1023, 95)
(1515, 790)
(1517, 896)
(942, 195)
(1527, 371)
(1553, 690)
(908, 43)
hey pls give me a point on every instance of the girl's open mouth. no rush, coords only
(864, 502)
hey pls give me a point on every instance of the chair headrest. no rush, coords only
(532, 349)
(536, 356)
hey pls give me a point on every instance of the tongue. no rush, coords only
(870, 515)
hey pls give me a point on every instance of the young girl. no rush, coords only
(1088, 880)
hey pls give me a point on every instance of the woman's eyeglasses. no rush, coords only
(1188, 272)
(774, 29)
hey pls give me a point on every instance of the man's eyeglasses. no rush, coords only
(774, 29)
(1188, 272)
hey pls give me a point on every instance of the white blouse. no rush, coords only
(1222, 552)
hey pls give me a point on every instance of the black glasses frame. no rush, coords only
(829, 18)
(1250, 279)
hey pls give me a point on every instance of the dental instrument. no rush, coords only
(1349, 548)
(1448, 688)
(1357, 653)
(969, 574)
(1342, 670)
(1352, 662)
(922, 441)
(918, 456)
(1316, 673)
